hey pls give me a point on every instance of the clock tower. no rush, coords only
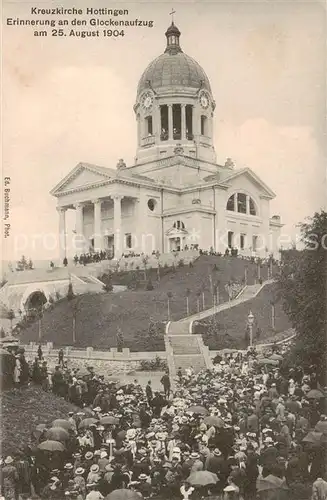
(174, 106)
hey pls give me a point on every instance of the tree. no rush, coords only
(2, 333)
(169, 297)
(107, 280)
(149, 285)
(11, 317)
(30, 264)
(188, 293)
(119, 339)
(145, 261)
(70, 291)
(75, 305)
(198, 295)
(203, 289)
(22, 264)
(302, 283)
(152, 332)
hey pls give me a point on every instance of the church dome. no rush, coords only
(173, 68)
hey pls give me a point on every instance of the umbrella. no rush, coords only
(276, 357)
(40, 427)
(271, 482)
(87, 422)
(266, 361)
(9, 338)
(315, 438)
(121, 434)
(51, 446)
(64, 424)
(124, 494)
(200, 410)
(202, 478)
(213, 420)
(315, 394)
(321, 426)
(57, 434)
(109, 420)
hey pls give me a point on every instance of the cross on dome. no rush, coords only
(172, 15)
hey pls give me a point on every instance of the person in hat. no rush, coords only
(197, 462)
(93, 492)
(148, 392)
(9, 479)
(103, 460)
(165, 381)
(94, 474)
(79, 481)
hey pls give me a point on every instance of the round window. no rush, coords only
(151, 204)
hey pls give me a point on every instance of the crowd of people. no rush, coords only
(241, 430)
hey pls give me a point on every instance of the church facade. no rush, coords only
(175, 196)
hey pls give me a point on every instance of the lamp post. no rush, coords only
(250, 323)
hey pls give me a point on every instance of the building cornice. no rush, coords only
(183, 210)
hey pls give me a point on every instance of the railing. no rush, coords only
(148, 141)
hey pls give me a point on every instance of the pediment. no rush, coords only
(83, 175)
(247, 176)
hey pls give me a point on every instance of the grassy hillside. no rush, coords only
(22, 410)
(234, 321)
(100, 315)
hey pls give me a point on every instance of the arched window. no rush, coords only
(148, 129)
(179, 225)
(204, 125)
(241, 203)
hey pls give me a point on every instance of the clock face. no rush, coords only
(204, 101)
(147, 101)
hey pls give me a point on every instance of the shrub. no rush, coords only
(70, 292)
(156, 364)
(149, 285)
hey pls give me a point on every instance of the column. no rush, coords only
(62, 232)
(247, 204)
(117, 226)
(183, 121)
(97, 225)
(170, 121)
(79, 228)
(235, 202)
(156, 125)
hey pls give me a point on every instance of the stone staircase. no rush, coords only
(185, 350)
(248, 293)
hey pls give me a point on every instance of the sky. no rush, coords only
(66, 100)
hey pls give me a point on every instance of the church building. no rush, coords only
(175, 196)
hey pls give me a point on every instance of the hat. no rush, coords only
(68, 466)
(9, 460)
(79, 471)
(195, 455)
(143, 476)
(97, 408)
(268, 440)
(88, 455)
(217, 452)
(109, 468)
(70, 413)
(103, 454)
(230, 487)
(94, 468)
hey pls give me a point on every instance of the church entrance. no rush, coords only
(177, 237)
(109, 246)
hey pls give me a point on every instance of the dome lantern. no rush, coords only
(172, 35)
